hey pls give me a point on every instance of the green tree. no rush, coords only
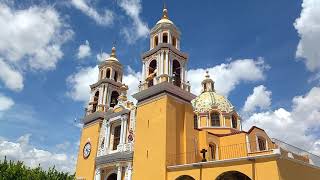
(10, 170)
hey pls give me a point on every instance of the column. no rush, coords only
(121, 134)
(97, 174)
(119, 173)
(107, 137)
(169, 64)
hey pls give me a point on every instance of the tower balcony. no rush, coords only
(163, 78)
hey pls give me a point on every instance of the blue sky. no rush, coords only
(249, 47)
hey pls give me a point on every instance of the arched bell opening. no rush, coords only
(114, 98)
(152, 72)
(176, 73)
(116, 137)
(232, 175)
(156, 41)
(165, 38)
(112, 176)
(95, 101)
(108, 73)
(116, 76)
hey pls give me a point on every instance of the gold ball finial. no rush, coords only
(164, 12)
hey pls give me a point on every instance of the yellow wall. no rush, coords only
(86, 167)
(264, 169)
(165, 140)
(290, 170)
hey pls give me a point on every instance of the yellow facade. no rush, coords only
(85, 166)
(172, 134)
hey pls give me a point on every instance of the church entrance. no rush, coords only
(185, 177)
(233, 175)
(113, 176)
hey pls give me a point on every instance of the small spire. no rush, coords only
(164, 12)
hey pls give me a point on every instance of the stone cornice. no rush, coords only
(166, 88)
(164, 45)
(106, 80)
(114, 157)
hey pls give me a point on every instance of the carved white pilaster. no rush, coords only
(107, 138)
(119, 172)
(97, 174)
(122, 129)
(128, 171)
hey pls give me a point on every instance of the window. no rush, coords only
(108, 73)
(95, 102)
(215, 119)
(116, 137)
(234, 122)
(176, 73)
(165, 38)
(101, 74)
(174, 41)
(195, 121)
(212, 148)
(114, 98)
(262, 144)
(156, 41)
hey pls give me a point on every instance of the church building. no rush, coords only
(172, 134)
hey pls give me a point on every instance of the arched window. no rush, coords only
(234, 121)
(261, 144)
(195, 121)
(115, 76)
(174, 41)
(95, 102)
(116, 137)
(114, 98)
(108, 73)
(215, 119)
(212, 148)
(156, 41)
(185, 177)
(152, 72)
(176, 73)
(165, 38)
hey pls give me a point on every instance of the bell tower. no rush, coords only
(164, 110)
(104, 96)
(164, 62)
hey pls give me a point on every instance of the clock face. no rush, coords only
(86, 150)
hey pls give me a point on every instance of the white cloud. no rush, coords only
(227, 76)
(308, 28)
(5, 103)
(139, 29)
(80, 81)
(30, 38)
(22, 150)
(105, 19)
(259, 99)
(84, 50)
(11, 78)
(296, 126)
(102, 56)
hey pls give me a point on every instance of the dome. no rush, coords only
(210, 100)
(113, 56)
(161, 21)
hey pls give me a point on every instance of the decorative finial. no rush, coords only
(113, 50)
(164, 11)
(207, 74)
